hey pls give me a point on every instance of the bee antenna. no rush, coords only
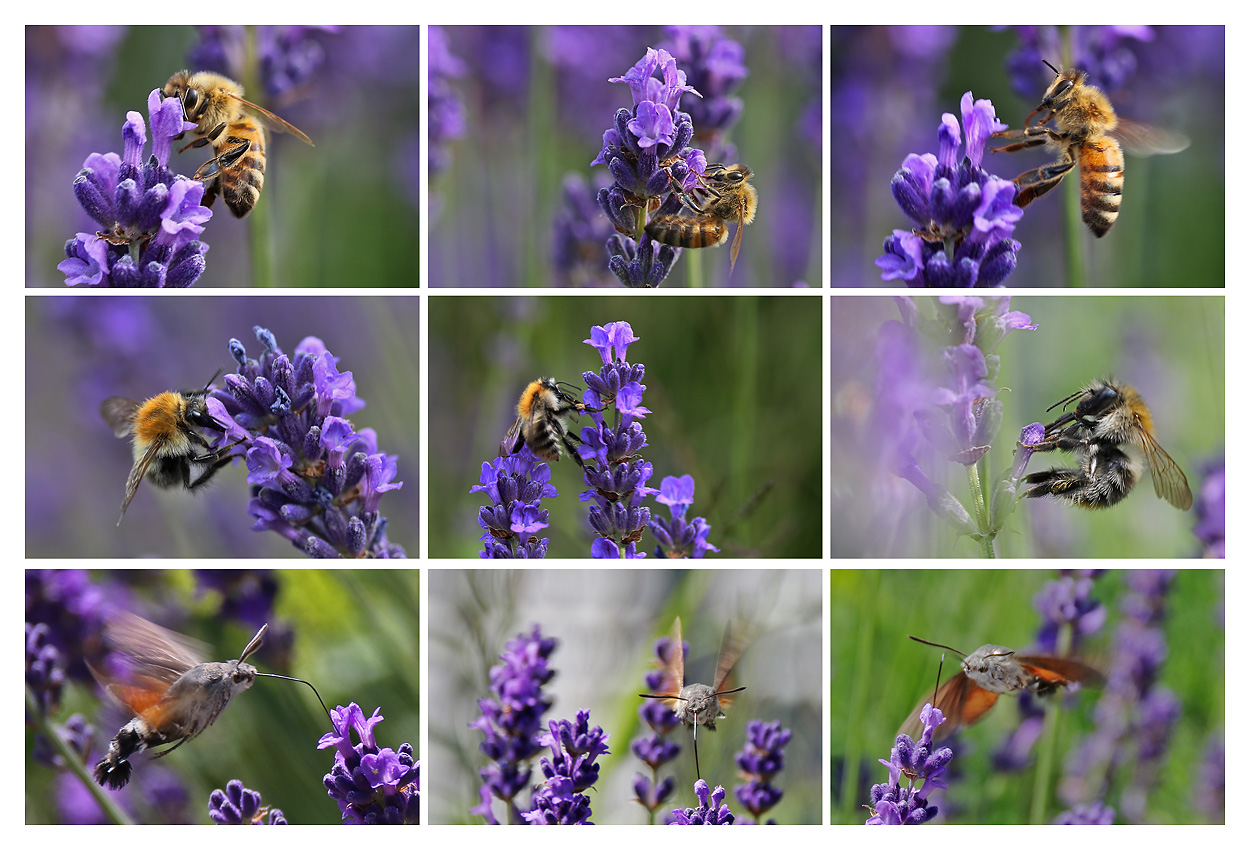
(211, 380)
(1051, 67)
(938, 645)
(309, 684)
(1064, 401)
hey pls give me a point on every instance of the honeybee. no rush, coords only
(1108, 431)
(164, 439)
(236, 130)
(1085, 130)
(539, 422)
(990, 671)
(729, 198)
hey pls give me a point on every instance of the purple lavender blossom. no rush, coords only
(893, 804)
(647, 150)
(1105, 53)
(963, 215)
(1209, 786)
(1210, 510)
(446, 111)
(511, 721)
(760, 760)
(711, 812)
(580, 233)
(516, 486)
(948, 411)
(318, 482)
(371, 784)
(1135, 715)
(616, 474)
(287, 56)
(1094, 814)
(570, 771)
(658, 748)
(714, 67)
(240, 806)
(150, 218)
(45, 675)
(678, 538)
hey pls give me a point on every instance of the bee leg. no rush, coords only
(215, 460)
(569, 438)
(1034, 183)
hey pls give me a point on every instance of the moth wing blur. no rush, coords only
(1061, 671)
(150, 652)
(962, 703)
(732, 643)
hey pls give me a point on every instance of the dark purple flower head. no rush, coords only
(761, 759)
(892, 802)
(240, 806)
(511, 721)
(516, 486)
(371, 784)
(570, 771)
(676, 537)
(316, 480)
(963, 216)
(712, 810)
(1210, 510)
(647, 151)
(149, 218)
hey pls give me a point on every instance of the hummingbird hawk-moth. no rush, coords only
(173, 694)
(990, 671)
(696, 704)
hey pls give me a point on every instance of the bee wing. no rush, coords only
(1061, 670)
(1146, 140)
(737, 243)
(137, 472)
(960, 700)
(512, 440)
(119, 414)
(272, 121)
(1169, 479)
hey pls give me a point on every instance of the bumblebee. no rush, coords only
(539, 424)
(165, 439)
(1109, 431)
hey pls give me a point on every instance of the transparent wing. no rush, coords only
(119, 414)
(673, 667)
(1169, 479)
(511, 442)
(148, 653)
(1147, 140)
(137, 472)
(273, 121)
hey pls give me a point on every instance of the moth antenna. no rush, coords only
(938, 683)
(938, 645)
(306, 682)
(255, 643)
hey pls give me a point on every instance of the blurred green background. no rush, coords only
(341, 214)
(607, 622)
(731, 383)
(878, 676)
(890, 86)
(1171, 349)
(353, 633)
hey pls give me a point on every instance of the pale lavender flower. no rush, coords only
(677, 537)
(656, 749)
(760, 761)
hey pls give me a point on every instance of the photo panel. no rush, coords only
(565, 654)
(168, 690)
(291, 420)
(1086, 696)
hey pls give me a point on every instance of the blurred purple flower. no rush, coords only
(761, 759)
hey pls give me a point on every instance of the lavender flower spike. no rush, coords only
(149, 218)
(713, 812)
(761, 759)
(894, 804)
(962, 216)
(238, 805)
(371, 784)
(570, 771)
(317, 481)
(678, 538)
